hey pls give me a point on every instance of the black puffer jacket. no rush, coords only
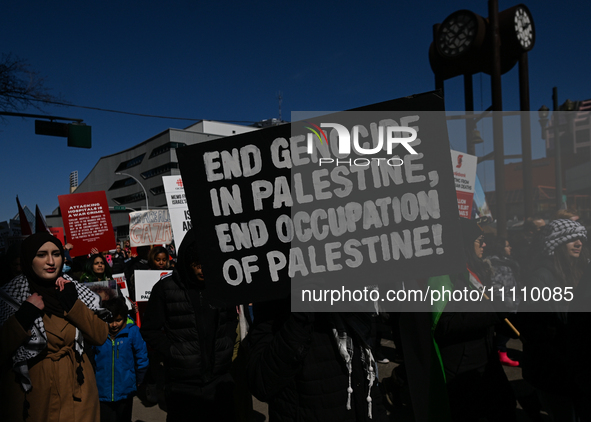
(196, 339)
(295, 366)
(545, 334)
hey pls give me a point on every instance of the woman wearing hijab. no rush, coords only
(45, 317)
(559, 266)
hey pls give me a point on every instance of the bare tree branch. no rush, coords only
(21, 87)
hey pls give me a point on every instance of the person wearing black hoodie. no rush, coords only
(196, 340)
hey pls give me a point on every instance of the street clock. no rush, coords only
(460, 33)
(462, 43)
(524, 27)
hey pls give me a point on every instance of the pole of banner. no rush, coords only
(512, 327)
(138, 322)
(506, 320)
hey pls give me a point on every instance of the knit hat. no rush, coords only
(559, 232)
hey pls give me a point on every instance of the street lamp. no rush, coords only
(476, 137)
(140, 183)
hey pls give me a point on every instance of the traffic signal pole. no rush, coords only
(78, 133)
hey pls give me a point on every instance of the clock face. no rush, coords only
(457, 34)
(524, 28)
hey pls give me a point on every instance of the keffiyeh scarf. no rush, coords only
(562, 231)
(12, 296)
(343, 327)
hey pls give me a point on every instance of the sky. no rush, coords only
(229, 60)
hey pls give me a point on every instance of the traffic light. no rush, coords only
(78, 134)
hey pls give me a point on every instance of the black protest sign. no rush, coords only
(291, 205)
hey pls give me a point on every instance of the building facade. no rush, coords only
(574, 133)
(118, 174)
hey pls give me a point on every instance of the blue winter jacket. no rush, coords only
(121, 364)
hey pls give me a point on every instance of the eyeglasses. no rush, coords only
(480, 240)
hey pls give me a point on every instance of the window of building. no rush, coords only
(131, 163)
(165, 148)
(128, 199)
(159, 170)
(158, 190)
(123, 183)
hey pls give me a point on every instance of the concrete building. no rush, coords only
(147, 162)
(574, 133)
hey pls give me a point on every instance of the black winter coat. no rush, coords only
(579, 344)
(477, 385)
(196, 339)
(545, 335)
(294, 365)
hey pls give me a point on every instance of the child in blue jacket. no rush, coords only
(121, 364)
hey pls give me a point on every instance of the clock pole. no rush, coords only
(524, 106)
(497, 105)
(464, 44)
(469, 108)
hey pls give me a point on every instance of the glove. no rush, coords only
(68, 296)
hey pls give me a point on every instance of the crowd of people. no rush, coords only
(72, 351)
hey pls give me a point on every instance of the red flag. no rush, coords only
(25, 226)
(40, 224)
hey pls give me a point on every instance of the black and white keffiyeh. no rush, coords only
(344, 343)
(12, 296)
(560, 232)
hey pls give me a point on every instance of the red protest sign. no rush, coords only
(59, 233)
(87, 222)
